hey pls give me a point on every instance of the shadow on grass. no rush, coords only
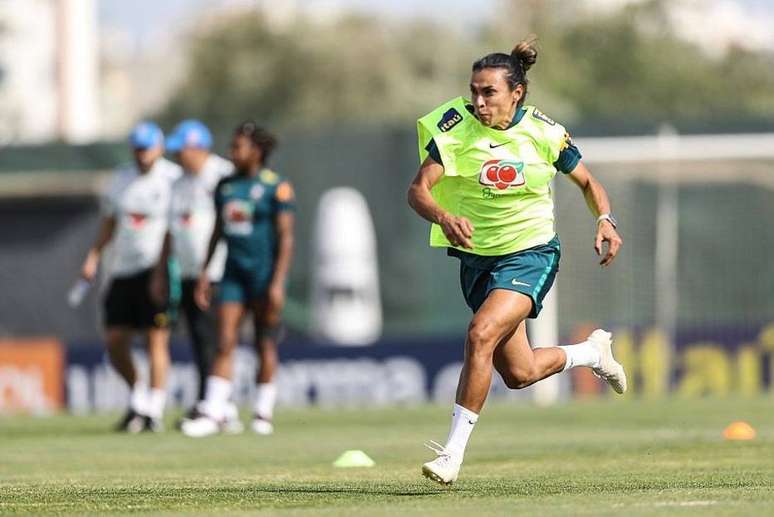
(237, 492)
(388, 491)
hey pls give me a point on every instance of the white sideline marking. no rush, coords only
(685, 503)
(669, 503)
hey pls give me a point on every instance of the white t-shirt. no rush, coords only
(140, 204)
(192, 218)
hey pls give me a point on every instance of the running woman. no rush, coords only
(191, 221)
(135, 221)
(484, 184)
(255, 218)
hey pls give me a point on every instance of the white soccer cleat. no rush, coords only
(445, 468)
(202, 424)
(231, 423)
(200, 427)
(609, 369)
(262, 426)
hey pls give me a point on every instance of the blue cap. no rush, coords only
(146, 135)
(189, 133)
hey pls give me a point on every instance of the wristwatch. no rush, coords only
(609, 218)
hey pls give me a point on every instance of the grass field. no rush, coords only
(601, 458)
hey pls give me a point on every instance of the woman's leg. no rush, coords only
(219, 382)
(520, 365)
(500, 315)
(267, 327)
(497, 319)
(229, 317)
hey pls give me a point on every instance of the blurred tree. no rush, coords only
(356, 70)
(238, 68)
(628, 70)
(624, 71)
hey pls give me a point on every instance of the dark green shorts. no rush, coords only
(242, 285)
(531, 272)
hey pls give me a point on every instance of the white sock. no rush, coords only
(216, 396)
(582, 354)
(265, 397)
(138, 398)
(463, 421)
(156, 400)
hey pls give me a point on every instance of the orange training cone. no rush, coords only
(739, 430)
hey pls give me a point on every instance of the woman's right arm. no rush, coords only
(202, 290)
(457, 229)
(217, 234)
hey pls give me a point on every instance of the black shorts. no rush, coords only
(128, 303)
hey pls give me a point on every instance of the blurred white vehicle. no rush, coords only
(346, 308)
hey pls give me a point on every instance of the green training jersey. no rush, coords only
(248, 206)
(500, 180)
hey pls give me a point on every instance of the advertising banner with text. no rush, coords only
(701, 363)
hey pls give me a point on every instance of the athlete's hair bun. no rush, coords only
(525, 52)
(515, 64)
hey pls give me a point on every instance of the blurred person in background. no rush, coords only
(191, 221)
(484, 183)
(134, 221)
(255, 218)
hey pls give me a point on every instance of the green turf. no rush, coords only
(602, 458)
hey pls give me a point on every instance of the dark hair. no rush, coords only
(259, 136)
(521, 59)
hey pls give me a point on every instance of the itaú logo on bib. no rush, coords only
(502, 174)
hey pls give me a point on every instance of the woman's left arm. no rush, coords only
(598, 203)
(284, 221)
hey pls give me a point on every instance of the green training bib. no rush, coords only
(500, 180)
